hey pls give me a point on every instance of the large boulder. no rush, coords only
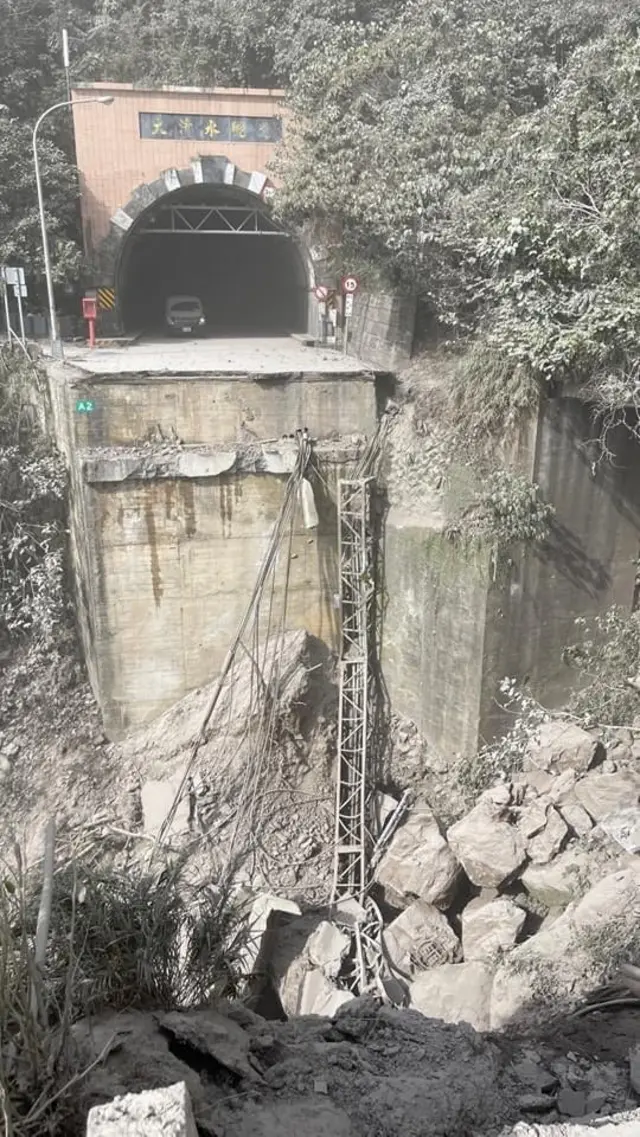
(558, 746)
(455, 993)
(556, 884)
(490, 848)
(421, 937)
(602, 794)
(566, 960)
(327, 948)
(545, 845)
(419, 863)
(490, 929)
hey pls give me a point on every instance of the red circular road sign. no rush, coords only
(321, 293)
(350, 285)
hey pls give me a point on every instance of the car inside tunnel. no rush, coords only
(221, 245)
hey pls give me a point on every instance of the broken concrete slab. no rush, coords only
(419, 863)
(489, 848)
(420, 937)
(215, 1035)
(327, 949)
(490, 929)
(268, 912)
(603, 794)
(455, 993)
(558, 746)
(320, 997)
(164, 1112)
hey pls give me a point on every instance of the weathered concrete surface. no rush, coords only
(164, 1112)
(215, 408)
(454, 628)
(383, 328)
(167, 539)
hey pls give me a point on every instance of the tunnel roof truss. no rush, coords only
(203, 220)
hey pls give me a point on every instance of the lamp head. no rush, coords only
(106, 100)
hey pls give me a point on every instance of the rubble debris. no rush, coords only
(455, 993)
(488, 929)
(620, 1125)
(378, 1070)
(419, 863)
(561, 963)
(559, 746)
(490, 849)
(157, 796)
(319, 996)
(327, 949)
(208, 1033)
(624, 828)
(545, 845)
(556, 884)
(420, 937)
(576, 818)
(603, 794)
(164, 1112)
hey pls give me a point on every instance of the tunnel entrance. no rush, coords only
(220, 244)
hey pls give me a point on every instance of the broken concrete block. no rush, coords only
(419, 863)
(157, 798)
(455, 992)
(572, 1103)
(268, 912)
(164, 1112)
(546, 844)
(320, 997)
(490, 929)
(213, 1035)
(558, 746)
(327, 948)
(602, 794)
(490, 849)
(623, 827)
(421, 937)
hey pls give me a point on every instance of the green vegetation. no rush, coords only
(33, 485)
(121, 938)
(608, 661)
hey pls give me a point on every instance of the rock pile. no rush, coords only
(369, 1069)
(523, 901)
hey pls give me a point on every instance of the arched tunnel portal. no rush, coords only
(219, 243)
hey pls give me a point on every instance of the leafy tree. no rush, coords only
(20, 241)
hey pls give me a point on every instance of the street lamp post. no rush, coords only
(57, 350)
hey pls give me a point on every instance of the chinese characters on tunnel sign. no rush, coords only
(210, 128)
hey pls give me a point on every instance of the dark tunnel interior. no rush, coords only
(248, 283)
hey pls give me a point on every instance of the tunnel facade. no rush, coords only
(220, 244)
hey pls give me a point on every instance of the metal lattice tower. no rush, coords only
(356, 598)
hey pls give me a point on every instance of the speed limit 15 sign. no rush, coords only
(350, 285)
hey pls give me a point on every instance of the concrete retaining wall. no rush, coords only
(453, 631)
(383, 328)
(176, 489)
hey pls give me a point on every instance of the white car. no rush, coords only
(184, 314)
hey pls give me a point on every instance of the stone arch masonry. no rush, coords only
(204, 170)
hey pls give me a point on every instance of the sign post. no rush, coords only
(90, 313)
(321, 293)
(349, 285)
(7, 313)
(15, 277)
